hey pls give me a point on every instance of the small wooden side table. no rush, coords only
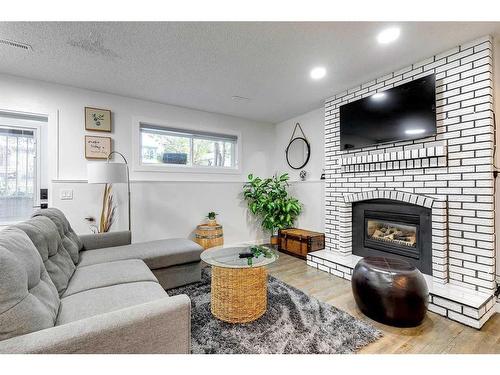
(209, 235)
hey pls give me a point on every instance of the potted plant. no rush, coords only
(268, 198)
(211, 218)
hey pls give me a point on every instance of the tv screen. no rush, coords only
(402, 113)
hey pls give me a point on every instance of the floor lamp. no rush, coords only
(110, 173)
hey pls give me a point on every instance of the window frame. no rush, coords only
(139, 166)
(29, 125)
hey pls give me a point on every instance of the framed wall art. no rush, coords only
(97, 147)
(97, 119)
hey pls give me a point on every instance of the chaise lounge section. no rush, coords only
(61, 293)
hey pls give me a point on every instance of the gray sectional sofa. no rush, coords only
(64, 293)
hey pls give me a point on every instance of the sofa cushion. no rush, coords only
(47, 240)
(28, 299)
(70, 239)
(156, 254)
(107, 274)
(102, 300)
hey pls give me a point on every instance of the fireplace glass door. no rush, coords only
(391, 235)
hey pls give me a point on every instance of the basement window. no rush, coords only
(177, 148)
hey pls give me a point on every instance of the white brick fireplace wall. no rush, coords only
(451, 173)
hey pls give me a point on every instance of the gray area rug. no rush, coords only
(293, 323)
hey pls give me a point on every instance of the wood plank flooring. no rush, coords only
(435, 335)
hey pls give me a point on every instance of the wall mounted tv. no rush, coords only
(402, 113)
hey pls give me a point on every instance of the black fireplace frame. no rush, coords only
(394, 211)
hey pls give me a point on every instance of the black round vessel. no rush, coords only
(390, 291)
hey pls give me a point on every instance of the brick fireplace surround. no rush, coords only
(450, 173)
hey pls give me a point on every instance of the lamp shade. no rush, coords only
(106, 173)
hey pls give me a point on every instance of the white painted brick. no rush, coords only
(464, 319)
(437, 309)
(461, 178)
(447, 304)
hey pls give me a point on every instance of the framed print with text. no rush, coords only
(97, 147)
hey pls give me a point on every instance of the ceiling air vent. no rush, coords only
(12, 43)
(239, 98)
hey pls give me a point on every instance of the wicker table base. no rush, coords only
(239, 295)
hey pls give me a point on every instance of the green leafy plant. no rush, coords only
(259, 250)
(211, 215)
(268, 198)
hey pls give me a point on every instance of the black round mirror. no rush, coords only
(298, 153)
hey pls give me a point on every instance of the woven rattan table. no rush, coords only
(239, 290)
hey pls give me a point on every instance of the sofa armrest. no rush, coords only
(160, 326)
(109, 239)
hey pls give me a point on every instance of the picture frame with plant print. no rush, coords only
(97, 119)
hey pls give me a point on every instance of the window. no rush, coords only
(180, 147)
(18, 173)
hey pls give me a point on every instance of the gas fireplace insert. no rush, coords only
(394, 229)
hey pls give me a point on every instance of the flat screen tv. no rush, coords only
(402, 113)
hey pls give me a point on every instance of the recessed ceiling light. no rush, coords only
(318, 72)
(378, 96)
(388, 35)
(415, 131)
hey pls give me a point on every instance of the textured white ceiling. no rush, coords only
(202, 65)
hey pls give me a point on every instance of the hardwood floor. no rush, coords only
(435, 335)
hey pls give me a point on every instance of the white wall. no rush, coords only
(166, 209)
(311, 191)
(313, 124)
(164, 204)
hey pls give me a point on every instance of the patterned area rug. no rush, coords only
(293, 323)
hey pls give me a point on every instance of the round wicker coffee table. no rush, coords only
(239, 290)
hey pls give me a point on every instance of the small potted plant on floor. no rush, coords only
(211, 218)
(269, 199)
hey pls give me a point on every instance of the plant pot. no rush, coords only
(274, 240)
(212, 222)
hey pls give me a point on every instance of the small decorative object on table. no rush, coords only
(257, 251)
(299, 242)
(211, 218)
(303, 175)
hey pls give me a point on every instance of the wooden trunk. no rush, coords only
(299, 242)
(209, 236)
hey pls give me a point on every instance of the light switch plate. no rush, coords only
(66, 194)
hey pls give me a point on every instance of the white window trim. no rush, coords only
(138, 166)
